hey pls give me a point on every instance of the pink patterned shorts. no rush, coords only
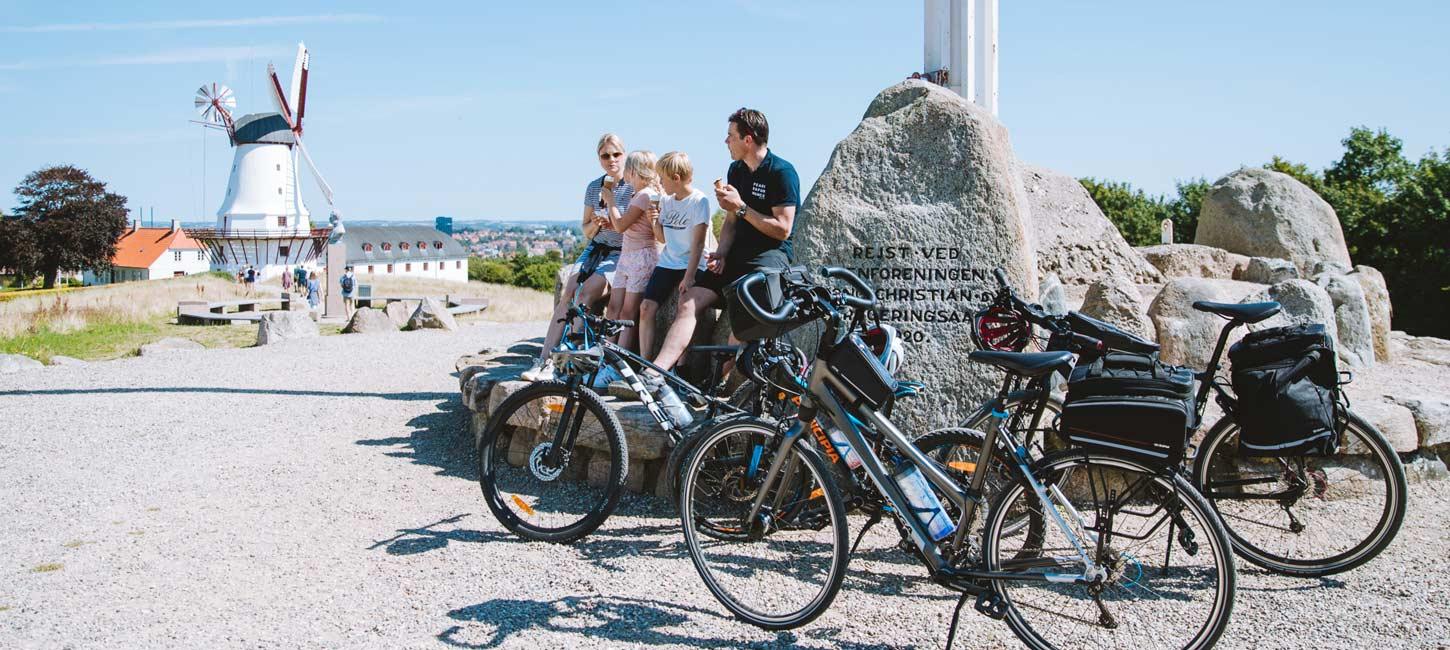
(635, 267)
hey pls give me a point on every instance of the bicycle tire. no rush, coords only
(503, 425)
(795, 563)
(1392, 514)
(1056, 470)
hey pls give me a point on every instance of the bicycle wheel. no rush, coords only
(1305, 516)
(542, 499)
(1166, 575)
(785, 570)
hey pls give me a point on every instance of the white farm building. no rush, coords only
(416, 251)
(151, 254)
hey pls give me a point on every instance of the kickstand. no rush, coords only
(875, 519)
(956, 616)
(1168, 554)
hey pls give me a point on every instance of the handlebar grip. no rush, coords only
(747, 300)
(1001, 277)
(865, 297)
(1085, 343)
(1298, 371)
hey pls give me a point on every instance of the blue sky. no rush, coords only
(491, 110)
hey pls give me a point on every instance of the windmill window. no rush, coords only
(279, 167)
(279, 190)
(282, 222)
(284, 251)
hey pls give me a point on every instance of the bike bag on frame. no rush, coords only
(1130, 403)
(862, 372)
(769, 294)
(1287, 390)
(1111, 336)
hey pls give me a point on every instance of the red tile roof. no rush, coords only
(139, 248)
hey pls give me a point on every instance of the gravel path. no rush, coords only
(321, 494)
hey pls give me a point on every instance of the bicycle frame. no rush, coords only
(823, 388)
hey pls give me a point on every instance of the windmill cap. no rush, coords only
(263, 128)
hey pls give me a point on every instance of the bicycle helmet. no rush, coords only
(886, 345)
(1000, 328)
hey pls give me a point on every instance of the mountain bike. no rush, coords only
(1306, 516)
(553, 458)
(1077, 548)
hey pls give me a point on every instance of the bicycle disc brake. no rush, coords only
(542, 471)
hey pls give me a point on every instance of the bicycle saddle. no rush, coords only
(1026, 364)
(1249, 312)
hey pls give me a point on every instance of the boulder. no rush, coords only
(1187, 336)
(924, 198)
(1377, 299)
(278, 326)
(1351, 318)
(431, 314)
(1394, 421)
(1074, 239)
(1052, 296)
(1303, 302)
(16, 362)
(398, 312)
(1263, 213)
(169, 345)
(1116, 300)
(1329, 266)
(1432, 420)
(1194, 261)
(59, 360)
(366, 320)
(1269, 270)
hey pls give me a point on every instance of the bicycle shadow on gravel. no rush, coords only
(412, 541)
(619, 620)
(439, 439)
(1303, 584)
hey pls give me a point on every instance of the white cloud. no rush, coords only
(166, 57)
(260, 21)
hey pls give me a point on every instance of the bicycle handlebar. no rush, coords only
(865, 296)
(780, 316)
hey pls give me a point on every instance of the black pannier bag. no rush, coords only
(1130, 403)
(769, 295)
(857, 367)
(1287, 390)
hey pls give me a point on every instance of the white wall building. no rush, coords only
(414, 251)
(151, 254)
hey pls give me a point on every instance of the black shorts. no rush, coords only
(737, 268)
(663, 282)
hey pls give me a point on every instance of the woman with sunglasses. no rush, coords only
(605, 199)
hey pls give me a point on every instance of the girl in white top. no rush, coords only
(640, 252)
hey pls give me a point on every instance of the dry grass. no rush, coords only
(130, 302)
(505, 303)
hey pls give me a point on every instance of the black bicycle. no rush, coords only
(1306, 515)
(1077, 549)
(553, 459)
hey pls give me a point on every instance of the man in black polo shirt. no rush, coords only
(760, 195)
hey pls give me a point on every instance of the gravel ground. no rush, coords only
(321, 493)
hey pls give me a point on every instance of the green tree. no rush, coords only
(18, 250)
(1183, 209)
(491, 271)
(73, 222)
(1136, 214)
(538, 275)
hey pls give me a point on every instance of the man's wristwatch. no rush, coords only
(740, 214)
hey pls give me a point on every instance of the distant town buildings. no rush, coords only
(151, 254)
(508, 239)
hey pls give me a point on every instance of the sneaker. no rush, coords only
(652, 380)
(542, 370)
(620, 389)
(605, 375)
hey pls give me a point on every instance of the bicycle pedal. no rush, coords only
(991, 604)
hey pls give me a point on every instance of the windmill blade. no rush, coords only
(279, 98)
(321, 182)
(294, 96)
(302, 92)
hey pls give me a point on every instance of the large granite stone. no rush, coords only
(1351, 318)
(1074, 239)
(1116, 300)
(1263, 213)
(16, 362)
(1187, 336)
(1302, 302)
(1268, 270)
(368, 320)
(925, 198)
(398, 312)
(431, 314)
(278, 326)
(1194, 261)
(1377, 299)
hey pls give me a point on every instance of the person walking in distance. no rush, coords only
(760, 194)
(287, 279)
(348, 283)
(605, 199)
(314, 292)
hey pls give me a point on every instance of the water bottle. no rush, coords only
(843, 446)
(924, 503)
(674, 408)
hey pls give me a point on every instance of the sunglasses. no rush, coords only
(608, 156)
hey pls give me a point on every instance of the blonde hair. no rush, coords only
(642, 164)
(608, 139)
(676, 163)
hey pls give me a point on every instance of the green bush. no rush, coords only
(491, 271)
(1139, 216)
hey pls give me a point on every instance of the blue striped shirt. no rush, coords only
(623, 192)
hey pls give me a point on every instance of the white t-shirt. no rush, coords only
(678, 218)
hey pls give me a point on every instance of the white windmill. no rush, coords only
(262, 221)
